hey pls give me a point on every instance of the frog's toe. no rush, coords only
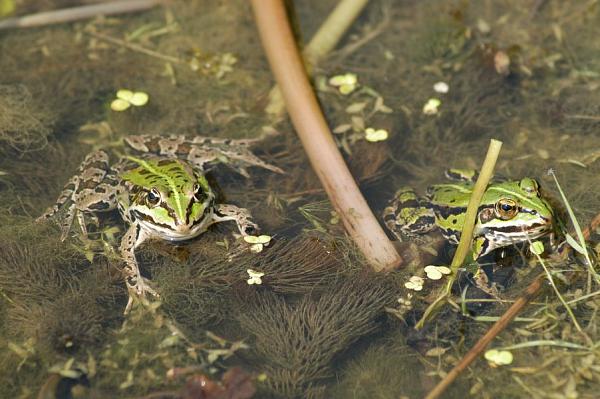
(251, 229)
(138, 290)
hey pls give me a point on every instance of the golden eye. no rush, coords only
(506, 209)
(152, 198)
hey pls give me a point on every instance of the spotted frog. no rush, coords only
(160, 192)
(510, 212)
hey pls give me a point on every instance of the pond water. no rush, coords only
(413, 88)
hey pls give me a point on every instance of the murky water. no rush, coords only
(319, 324)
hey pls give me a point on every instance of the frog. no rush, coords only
(511, 212)
(160, 191)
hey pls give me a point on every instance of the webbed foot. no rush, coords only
(138, 287)
(483, 283)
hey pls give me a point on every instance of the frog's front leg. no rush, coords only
(483, 283)
(136, 284)
(480, 248)
(241, 216)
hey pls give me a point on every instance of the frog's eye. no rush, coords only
(506, 209)
(152, 197)
(199, 193)
(530, 186)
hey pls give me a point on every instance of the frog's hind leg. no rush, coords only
(201, 151)
(137, 285)
(80, 193)
(407, 215)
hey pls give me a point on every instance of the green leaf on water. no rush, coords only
(537, 247)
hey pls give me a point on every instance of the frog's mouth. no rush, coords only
(502, 236)
(180, 232)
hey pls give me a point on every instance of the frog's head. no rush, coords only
(512, 212)
(172, 200)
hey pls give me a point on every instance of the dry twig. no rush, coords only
(77, 13)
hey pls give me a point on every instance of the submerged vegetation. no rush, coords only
(317, 325)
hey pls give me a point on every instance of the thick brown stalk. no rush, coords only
(77, 13)
(324, 40)
(500, 325)
(288, 69)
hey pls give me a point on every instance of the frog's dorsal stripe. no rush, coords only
(177, 198)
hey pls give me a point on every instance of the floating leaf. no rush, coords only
(435, 352)
(139, 99)
(124, 94)
(415, 283)
(431, 106)
(381, 107)
(342, 128)
(255, 277)
(441, 87)
(345, 83)
(126, 98)
(373, 135)
(262, 239)
(498, 357)
(119, 105)
(433, 273)
(537, 247)
(7, 7)
(436, 272)
(356, 107)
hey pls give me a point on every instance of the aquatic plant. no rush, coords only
(381, 372)
(300, 265)
(25, 122)
(296, 342)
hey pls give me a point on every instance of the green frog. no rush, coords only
(162, 193)
(511, 212)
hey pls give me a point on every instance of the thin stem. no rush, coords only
(560, 297)
(466, 236)
(135, 47)
(77, 13)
